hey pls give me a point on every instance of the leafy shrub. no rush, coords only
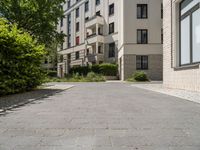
(95, 69)
(93, 77)
(104, 69)
(20, 60)
(108, 69)
(52, 73)
(81, 70)
(140, 76)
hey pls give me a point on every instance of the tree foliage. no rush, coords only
(38, 17)
(20, 59)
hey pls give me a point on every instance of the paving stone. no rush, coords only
(102, 116)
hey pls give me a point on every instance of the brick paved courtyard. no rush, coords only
(102, 116)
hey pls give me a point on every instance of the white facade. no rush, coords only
(97, 45)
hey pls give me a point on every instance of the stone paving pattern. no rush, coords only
(103, 116)
(158, 87)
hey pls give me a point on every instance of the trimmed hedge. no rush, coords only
(81, 70)
(108, 69)
(20, 60)
(104, 69)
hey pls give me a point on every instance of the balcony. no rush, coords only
(93, 38)
(97, 19)
(94, 57)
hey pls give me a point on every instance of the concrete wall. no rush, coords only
(175, 76)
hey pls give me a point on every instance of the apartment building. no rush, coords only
(126, 32)
(182, 44)
(141, 38)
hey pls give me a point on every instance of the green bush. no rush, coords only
(108, 69)
(140, 76)
(95, 69)
(81, 70)
(52, 73)
(20, 60)
(104, 69)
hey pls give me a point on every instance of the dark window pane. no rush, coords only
(142, 11)
(142, 36)
(111, 50)
(87, 6)
(142, 62)
(111, 28)
(111, 9)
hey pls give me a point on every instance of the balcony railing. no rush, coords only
(93, 35)
(93, 17)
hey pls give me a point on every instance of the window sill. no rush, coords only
(142, 18)
(142, 69)
(187, 67)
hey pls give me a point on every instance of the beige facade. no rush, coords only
(130, 48)
(96, 36)
(177, 74)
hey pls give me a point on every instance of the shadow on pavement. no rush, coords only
(17, 100)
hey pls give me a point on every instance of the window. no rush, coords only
(77, 55)
(99, 49)
(77, 40)
(98, 2)
(162, 10)
(189, 32)
(69, 40)
(61, 58)
(142, 36)
(61, 45)
(77, 12)
(111, 9)
(111, 50)
(98, 13)
(161, 36)
(111, 28)
(69, 30)
(77, 27)
(142, 11)
(141, 62)
(87, 51)
(69, 57)
(61, 22)
(68, 3)
(86, 19)
(87, 6)
(69, 18)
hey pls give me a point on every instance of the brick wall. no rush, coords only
(184, 78)
(155, 66)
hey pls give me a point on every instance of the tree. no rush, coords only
(20, 59)
(37, 17)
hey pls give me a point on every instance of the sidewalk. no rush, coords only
(158, 87)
